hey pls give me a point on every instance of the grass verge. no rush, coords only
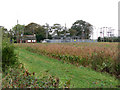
(78, 77)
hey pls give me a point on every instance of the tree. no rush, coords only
(31, 28)
(4, 32)
(16, 31)
(40, 31)
(83, 28)
(72, 32)
(47, 30)
(57, 28)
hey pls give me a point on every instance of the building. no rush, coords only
(27, 39)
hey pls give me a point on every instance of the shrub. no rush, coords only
(117, 68)
(99, 39)
(9, 58)
(19, 77)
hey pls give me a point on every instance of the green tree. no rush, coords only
(57, 28)
(47, 30)
(73, 32)
(31, 28)
(83, 28)
(40, 31)
(99, 39)
(9, 58)
(4, 32)
(16, 31)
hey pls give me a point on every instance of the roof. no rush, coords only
(29, 37)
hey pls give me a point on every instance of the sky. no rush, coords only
(99, 13)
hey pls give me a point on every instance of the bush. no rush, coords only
(9, 58)
(19, 77)
(99, 39)
(102, 63)
(117, 68)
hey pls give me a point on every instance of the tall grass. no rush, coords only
(101, 57)
(15, 75)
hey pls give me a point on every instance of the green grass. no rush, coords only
(81, 77)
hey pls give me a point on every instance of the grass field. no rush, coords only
(102, 57)
(80, 77)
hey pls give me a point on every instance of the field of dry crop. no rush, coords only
(98, 56)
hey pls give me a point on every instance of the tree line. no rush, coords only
(79, 28)
(108, 39)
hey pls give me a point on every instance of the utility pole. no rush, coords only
(46, 34)
(109, 33)
(82, 33)
(97, 31)
(112, 34)
(17, 31)
(22, 35)
(65, 29)
(93, 31)
(47, 26)
(1, 38)
(106, 33)
(65, 33)
(103, 33)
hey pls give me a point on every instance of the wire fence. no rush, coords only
(69, 41)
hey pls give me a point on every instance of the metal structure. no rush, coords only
(69, 40)
(106, 32)
(17, 32)
(46, 31)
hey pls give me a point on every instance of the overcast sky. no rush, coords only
(100, 13)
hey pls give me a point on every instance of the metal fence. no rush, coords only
(69, 41)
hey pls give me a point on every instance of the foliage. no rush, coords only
(72, 32)
(99, 39)
(102, 63)
(31, 28)
(9, 58)
(66, 72)
(57, 28)
(37, 29)
(19, 77)
(98, 56)
(83, 28)
(80, 28)
(15, 75)
(4, 33)
(16, 32)
(18, 29)
(108, 39)
(40, 34)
